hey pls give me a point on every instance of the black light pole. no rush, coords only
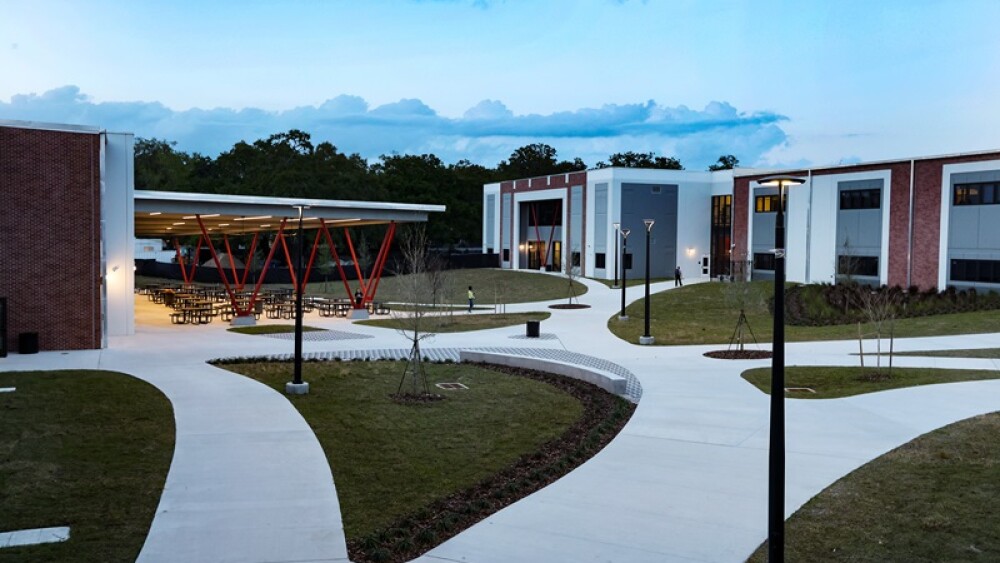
(776, 449)
(616, 226)
(297, 386)
(622, 316)
(646, 338)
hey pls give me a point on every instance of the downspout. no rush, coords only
(809, 227)
(909, 243)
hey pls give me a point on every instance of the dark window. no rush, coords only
(544, 214)
(506, 255)
(575, 257)
(768, 203)
(763, 261)
(599, 260)
(489, 250)
(983, 271)
(720, 242)
(857, 265)
(979, 193)
(861, 199)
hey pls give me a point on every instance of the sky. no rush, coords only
(776, 83)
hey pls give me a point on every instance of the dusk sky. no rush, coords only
(775, 83)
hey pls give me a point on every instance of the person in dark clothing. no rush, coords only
(677, 277)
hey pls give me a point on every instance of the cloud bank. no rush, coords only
(485, 134)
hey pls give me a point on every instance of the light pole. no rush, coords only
(616, 226)
(646, 338)
(622, 316)
(297, 386)
(776, 448)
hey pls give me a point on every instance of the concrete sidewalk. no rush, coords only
(685, 481)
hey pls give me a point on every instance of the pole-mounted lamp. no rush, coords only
(297, 386)
(776, 448)
(646, 338)
(622, 316)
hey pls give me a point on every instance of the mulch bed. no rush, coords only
(568, 306)
(604, 415)
(738, 354)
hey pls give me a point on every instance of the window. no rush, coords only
(978, 193)
(489, 251)
(763, 261)
(861, 199)
(982, 271)
(506, 255)
(656, 189)
(599, 260)
(857, 265)
(575, 257)
(769, 203)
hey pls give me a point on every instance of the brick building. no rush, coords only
(928, 222)
(57, 183)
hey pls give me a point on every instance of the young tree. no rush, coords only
(413, 275)
(740, 294)
(879, 307)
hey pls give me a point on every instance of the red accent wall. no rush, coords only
(50, 236)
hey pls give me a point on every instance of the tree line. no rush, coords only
(289, 164)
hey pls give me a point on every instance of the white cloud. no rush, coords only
(487, 133)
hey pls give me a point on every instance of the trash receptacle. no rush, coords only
(533, 328)
(27, 343)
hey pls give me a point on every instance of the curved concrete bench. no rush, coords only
(610, 382)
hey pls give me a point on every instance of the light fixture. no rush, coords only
(265, 226)
(257, 218)
(156, 213)
(202, 216)
(180, 223)
(690, 251)
(223, 224)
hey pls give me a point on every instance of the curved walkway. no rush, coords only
(684, 481)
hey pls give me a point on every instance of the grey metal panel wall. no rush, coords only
(859, 231)
(576, 218)
(491, 217)
(657, 202)
(973, 230)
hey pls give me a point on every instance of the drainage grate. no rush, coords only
(799, 390)
(450, 386)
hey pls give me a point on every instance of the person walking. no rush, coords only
(678, 277)
(472, 299)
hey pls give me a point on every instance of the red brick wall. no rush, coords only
(50, 236)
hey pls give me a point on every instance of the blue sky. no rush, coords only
(775, 83)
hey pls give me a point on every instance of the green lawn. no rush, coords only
(271, 329)
(832, 382)
(490, 285)
(640, 281)
(84, 449)
(933, 499)
(390, 460)
(700, 314)
(460, 321)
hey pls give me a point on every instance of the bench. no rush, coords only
(610, 382)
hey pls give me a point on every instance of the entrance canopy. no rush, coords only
(170, 214)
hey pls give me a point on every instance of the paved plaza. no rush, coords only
(686, 480)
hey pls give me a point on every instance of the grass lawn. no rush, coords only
(490, 285)
(933, 499)
(992, 353)
(409, 476)
(271, 329)
(84, 449)
(699, 314)
(640, 281)
(832, 382)
(388, 459)
(461, 322)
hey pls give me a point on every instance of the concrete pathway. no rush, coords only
(685, 481)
